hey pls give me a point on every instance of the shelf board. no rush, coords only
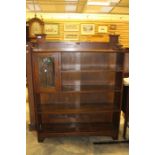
(77, 127)
(93, 71)
(50, 133)
(76, 86)
(86, 83)
(78, 118)
(76, 108)
(90, 91)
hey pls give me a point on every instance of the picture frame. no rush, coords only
(71, 27)
(71, 36)
(51, 29)
(102, 29)
(87, 29)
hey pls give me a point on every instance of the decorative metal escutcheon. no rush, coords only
(47, 60)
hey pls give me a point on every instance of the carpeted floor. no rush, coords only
(72, 145)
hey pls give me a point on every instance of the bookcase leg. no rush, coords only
(115, 136)
(32, 127)
(124, 131)
(40, 139)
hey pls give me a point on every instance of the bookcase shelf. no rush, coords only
(85, 108)
(92, 70)
(87, 87)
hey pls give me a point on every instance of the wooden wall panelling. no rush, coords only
(121, 29)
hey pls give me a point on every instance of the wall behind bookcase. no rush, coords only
(122, 29)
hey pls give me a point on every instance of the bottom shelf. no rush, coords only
(44, 134)
(80, 133)
(105, 117)
(77, 127)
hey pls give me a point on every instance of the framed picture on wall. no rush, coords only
(71, 36)
(87, 29)
(71, 27)
(102, 29)
(51, 29)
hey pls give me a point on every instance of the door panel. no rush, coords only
(46, 68)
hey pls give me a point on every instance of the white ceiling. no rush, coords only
(78, 6)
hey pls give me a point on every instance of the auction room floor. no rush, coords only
(72, 145)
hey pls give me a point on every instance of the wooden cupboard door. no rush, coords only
(46, 72)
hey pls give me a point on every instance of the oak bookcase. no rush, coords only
(77, 88)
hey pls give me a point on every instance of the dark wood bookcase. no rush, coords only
(77, 88)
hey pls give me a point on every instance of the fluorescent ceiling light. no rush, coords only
(114, 1)
(106, 9)
(37, 7)
(71, 0)
(98, 3)
(105, 3)
(31, 7)
(70, 8)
